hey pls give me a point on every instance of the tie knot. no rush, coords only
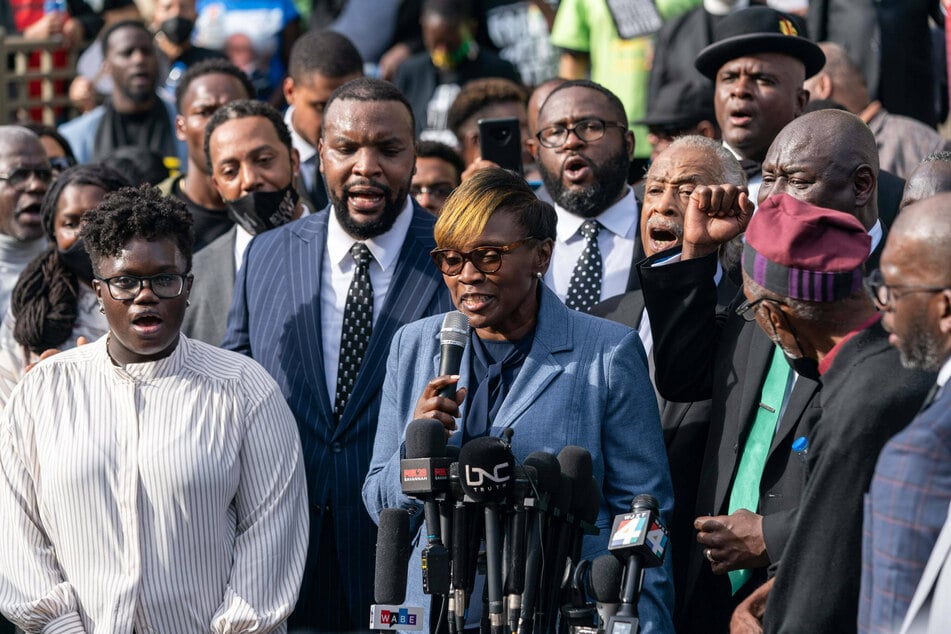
(361, 254)
(590, 229)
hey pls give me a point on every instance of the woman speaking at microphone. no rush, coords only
(554, 376)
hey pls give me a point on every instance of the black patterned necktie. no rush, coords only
(584, 289)
(357, 326)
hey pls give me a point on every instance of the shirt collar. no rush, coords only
(621, 218)
(944, 374)
(166, 366)
(385, 248)
(875, 233)
(303, 147)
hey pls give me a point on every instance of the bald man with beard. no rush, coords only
(744, 516)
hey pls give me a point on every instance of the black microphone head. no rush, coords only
(425, 438)
(392, 557)
(605, 579)
(586, 509)
(452, 452)
(576, 464)
(645, 502)
(486, 466)
(561, 498)
(547, 470)
(455, 329)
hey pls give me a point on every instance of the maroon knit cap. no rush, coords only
(801, 251)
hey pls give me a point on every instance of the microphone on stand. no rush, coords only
(605, 582)
(548, 479)
(389, 583)
(452, 343)
(639, 539)
(486, 469)
(425, 476)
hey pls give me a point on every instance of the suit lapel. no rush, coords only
(633, 279)
(552, 336)
(936, 562)
(306, 256)
(757, 362)
(410, 294)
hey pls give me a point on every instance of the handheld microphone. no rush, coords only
(425, 476)
(605, 582)
(389, 582)
(639, 537)
(486, 468)
(452, 343)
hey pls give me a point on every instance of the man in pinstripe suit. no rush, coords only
(291, 313)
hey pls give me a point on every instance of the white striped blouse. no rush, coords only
(162, 497)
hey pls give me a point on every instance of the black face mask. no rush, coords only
(804, 366)
(77, 261)
(259, 211)
(177, 29)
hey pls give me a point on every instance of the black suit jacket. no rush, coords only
(701, 355)
(685, 428)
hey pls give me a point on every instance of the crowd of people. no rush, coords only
(719, 265)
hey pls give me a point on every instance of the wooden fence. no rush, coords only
(17, 104)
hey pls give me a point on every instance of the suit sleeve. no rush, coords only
(382, 488)
(635, 462)
(905, 510)
(237, 337)
(681, 301)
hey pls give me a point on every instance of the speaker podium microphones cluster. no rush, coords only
(520, 526)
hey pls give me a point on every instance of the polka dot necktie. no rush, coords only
(357, 326)
(584, 289)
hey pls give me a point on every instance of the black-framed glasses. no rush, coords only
(747, 310)
(21, 176)
(486, 259)
(883, 294)
(440, 191)
(587, 130)
(164, 285)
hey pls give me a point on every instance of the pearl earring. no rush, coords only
(538, 275)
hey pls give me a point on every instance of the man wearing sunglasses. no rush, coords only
(24, 177)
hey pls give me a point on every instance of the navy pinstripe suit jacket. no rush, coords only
(275, 318)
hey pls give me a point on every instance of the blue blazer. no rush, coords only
(275, 318)
(585, 383)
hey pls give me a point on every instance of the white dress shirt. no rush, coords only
(617, 240)
(336, 273)
(166, 496)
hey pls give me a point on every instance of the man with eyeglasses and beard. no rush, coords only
(317, 302)
(24, 177)
(583, 149)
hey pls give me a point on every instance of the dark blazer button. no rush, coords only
(336, 447)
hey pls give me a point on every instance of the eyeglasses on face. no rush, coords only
(164, 285)
(884, 294)
(747, 310)
(439, 191)
(486, 259)
(21, 176)
(587, 130)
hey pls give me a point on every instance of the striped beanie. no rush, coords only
(801, 251)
